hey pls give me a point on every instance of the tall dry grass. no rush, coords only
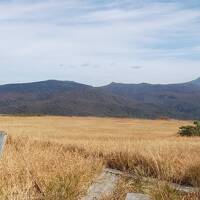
(42, 170)
(73, 146)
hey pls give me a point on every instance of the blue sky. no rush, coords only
(98, 42)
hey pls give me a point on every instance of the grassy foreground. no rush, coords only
(58, 157)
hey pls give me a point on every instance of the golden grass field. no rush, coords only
(58, 157)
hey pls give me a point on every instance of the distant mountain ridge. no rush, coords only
(68, 98)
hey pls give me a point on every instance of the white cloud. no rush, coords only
(37, 37)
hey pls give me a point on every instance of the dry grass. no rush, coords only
(156, 191)
(59, 152)
(33, 170)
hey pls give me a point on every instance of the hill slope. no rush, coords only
(63, 98)
(116, 99)
(173, 100)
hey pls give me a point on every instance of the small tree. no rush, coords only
(197, 123)
(190, 130)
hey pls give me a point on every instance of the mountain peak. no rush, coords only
(196, 81)
(113, 83)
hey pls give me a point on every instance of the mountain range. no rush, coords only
(52, 97)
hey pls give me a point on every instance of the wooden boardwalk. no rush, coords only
(105, 184)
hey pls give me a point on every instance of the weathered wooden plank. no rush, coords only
(137, 196)
(104, 185)
(3, 137)
(181, 188)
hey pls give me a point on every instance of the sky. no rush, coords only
(100, 41)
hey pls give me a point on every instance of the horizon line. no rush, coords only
(112, 82)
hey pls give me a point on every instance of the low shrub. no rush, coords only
(190, 130)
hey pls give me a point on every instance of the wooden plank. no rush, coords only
(181, 188)
(103, 185)
(137, 196)
(3, 137)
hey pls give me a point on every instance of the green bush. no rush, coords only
(190, 130)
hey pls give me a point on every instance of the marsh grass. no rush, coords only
(30, 170)
(58, 157)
